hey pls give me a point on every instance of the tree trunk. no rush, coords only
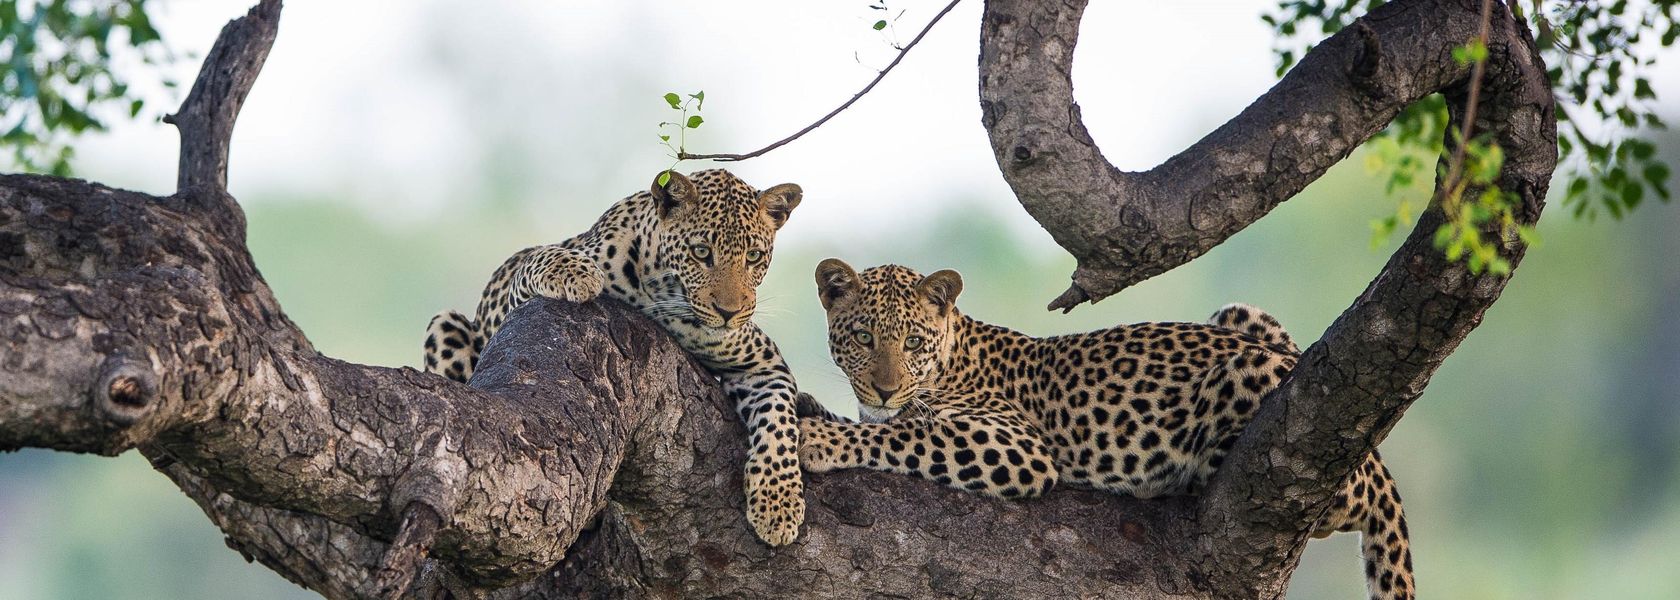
(590, 457)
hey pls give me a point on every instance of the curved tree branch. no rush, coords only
(1353, 385)
(1125, 227)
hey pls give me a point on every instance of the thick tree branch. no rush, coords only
(1351, 387)
(589, 456)
(1127, 227)
(1356, 382)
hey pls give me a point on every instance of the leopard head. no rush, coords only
(890, 329)
(715, 237)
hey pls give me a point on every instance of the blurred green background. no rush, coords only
(1543, 461)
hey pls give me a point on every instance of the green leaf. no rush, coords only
(695, 121)
(1455, 250)
(1641, 149)
(1656, 173)
(674, 100)
(664, 178)
(1472, 52)
(699, 99)
(134, 108)
(1499, 266)
(664, 138)
(1443, 234)
(1632, 194)
(879, 25)
(1642, 89)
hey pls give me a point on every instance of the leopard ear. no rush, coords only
(836, 283)
(779, 201)
(672, 189)
(941, 288)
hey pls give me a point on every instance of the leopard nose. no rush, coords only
(884, 393)
(725, 313)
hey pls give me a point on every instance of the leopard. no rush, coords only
(689, 253)
(1146, 409)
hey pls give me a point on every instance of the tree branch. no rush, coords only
(1127, 227)
(1350, 388)
(808, 128)
(1374, 361)
(589, 457)
(206, 117)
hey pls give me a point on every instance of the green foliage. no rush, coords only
(1605, 113)
(57, 81)
(1601, 70)
(684, 122)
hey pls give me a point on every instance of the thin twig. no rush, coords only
(1456, 169)
(830, 115)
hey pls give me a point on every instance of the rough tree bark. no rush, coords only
(1354, 384)
(590, 457)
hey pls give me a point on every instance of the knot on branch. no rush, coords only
(126, 391)
(1029, 149)
(1366, 61)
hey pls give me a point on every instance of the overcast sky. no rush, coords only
(410, 108)
(407, 105)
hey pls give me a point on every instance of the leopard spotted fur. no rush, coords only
(1147, 409)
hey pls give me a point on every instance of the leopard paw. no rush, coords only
(776, 509)
(583, 285)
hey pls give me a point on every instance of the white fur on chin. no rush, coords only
(876, 414)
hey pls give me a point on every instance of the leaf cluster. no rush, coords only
(58, 81)
(1600, 54)
(679, 128)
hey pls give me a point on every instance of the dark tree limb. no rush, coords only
(1353, 385)
(589, 456)
(1125, 227)
(405, 557)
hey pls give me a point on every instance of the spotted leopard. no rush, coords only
(1148, 409)
(689, 253)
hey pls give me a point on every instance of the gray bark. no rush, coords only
(1355, 383)
(591, 457)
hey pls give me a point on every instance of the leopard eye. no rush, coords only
(700, 251)
(913, 342)
(863, 337)
(753, 256)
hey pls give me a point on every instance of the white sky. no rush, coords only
(408, 109)
(353, 101)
